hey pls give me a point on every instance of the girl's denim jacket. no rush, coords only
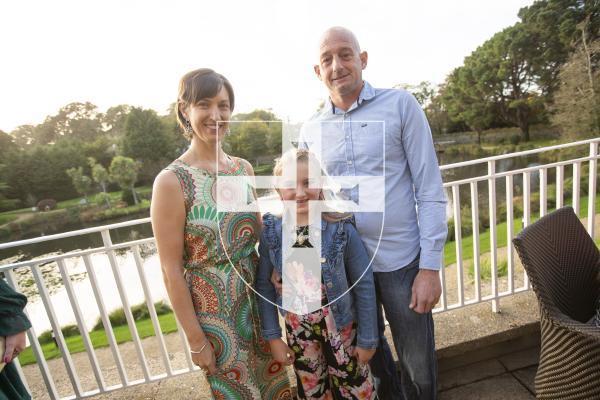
(345, 262)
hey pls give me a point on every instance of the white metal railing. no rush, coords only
(459, 292)
(491, 178)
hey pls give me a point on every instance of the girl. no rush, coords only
(329, 347)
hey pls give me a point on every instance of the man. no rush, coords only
(408, 256)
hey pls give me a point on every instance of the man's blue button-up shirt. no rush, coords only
(390, 123)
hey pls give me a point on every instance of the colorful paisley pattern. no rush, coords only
(225, 306)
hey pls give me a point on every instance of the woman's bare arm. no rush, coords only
(167, 212)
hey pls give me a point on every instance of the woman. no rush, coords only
(13, 324)
(198, 247)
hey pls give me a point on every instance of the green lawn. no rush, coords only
(114, 196)
(501, 235)
(99, 338)
(6, 218)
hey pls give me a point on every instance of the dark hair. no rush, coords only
(197, 85)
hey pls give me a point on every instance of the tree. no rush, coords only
(430, 98)
(78, 120)
(23, 135)
(81, 182)
(253, 131)
(552, 26)
(124, 172)
(114, 120)
(5, 202)
(101, 177)
(466, 100)
(577, 100)
(39, 172)
(7, 144)
(147, 140)
(499, 77)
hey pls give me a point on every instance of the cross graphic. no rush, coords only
(301, 267)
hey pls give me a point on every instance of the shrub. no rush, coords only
(485, 269)
(70, 330)
(127, 197)
(139, 312)
(515, 139)
(103, 199)
(46, 337)
(46, 205)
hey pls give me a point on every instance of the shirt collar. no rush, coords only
(366, 93)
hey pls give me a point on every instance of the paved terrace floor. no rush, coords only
(482, 355)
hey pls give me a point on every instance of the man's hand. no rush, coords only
(426, 291)
(276, 281)
(363, 356)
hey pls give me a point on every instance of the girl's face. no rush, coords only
(306, 188)
(205, 114)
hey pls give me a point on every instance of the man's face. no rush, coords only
(340, 64)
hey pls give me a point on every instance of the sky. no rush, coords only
(134, 52)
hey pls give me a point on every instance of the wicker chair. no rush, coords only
(563, 265)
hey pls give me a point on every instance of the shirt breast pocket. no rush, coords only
(369, 141)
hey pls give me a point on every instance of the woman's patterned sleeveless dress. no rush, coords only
(224, 305)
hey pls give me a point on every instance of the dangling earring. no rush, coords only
(187, 126)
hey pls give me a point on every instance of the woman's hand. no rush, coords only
(205, 359)
(363, 355)
(14, 345)
(281, 352)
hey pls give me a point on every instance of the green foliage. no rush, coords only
(139, 311)
(124, 172)
(513, 75)
(115, 119)
(46, 337)
(485, 269)
(99, 173)
(577, 101)
(103, 199)
(70, 330)
(81, 182)
(146, 139)
(99, 339)
(256, 136)
(127, 197)
(515, 139)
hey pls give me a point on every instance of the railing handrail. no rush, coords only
(517, 154)
(78, 232)
(101, 228)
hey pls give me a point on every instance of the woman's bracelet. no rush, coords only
(201, 349)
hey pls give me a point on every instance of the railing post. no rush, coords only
(543, 192)
(107, 241)
(560, 173)
(493, 241)
(509, 232)
(592, 189)
(576, 186)
(476, 251)
(526, 213)
(458, 244)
